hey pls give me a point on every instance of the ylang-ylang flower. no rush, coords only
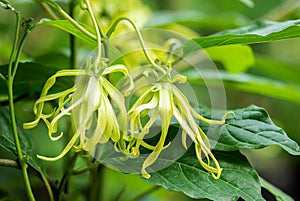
(162, 100)
(96, 108)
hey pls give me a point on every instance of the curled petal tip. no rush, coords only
(218, 175)
(30, 125)
(228, 113)
(146, 175)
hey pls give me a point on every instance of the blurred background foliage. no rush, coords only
(202, 17)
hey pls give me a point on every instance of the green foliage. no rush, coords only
(239, 179)
(259, 32)
(252, 128)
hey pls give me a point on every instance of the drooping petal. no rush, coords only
(165, 108)
(118, 99)
(135, 115)
(215, 171)
(39, 105)
(71, 143)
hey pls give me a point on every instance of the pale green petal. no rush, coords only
(215, 171)
(183, 138)
(145, 131)
(179, 79)
(102, 121)
(122, 69)
(39, 105)
(63, 153)
(118, 99)
(183, 123)
(53, 123)
(146, 96)
(112, 128)
(165, 108)
(135, 114)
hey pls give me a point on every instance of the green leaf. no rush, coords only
(238, 178)
(67, 26)
(259, 32)
(235, 58)
(250, 83)
(252, 128)
(279, 194)
(7, 139)
(30, 79)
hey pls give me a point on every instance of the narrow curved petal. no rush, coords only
(165, 108)
(122, 69)
(63, 153)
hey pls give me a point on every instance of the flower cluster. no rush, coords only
(98, 114)
(92, 104)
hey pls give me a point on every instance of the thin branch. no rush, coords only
(76, 24)
(10, 80)
(141, 40)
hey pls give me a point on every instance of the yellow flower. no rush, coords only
(97, 108)
(163, 99)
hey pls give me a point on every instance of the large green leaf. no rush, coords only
(238, 178)
(7, 139)
(251, 128)
(259, 32)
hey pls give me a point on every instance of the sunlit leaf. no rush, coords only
(259, 32)
(235, 58)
